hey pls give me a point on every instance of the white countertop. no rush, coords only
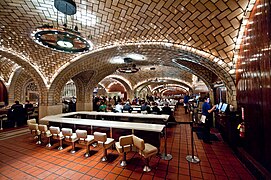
(137, 115)
(103, 123)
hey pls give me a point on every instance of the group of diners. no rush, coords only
(159, 106)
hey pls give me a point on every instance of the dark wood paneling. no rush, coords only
(253, 83)
(3, 93)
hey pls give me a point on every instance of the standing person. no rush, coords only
(185, 103)
(17, 112)
(206, 111)
(28, 109)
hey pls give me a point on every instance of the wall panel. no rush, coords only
(253, 83)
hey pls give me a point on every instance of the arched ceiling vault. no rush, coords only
(205, 32)
(162, 87)
(153, 85)
(106, 82)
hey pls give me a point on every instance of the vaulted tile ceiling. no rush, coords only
(153, 28)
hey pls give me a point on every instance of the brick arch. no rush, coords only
(98, 60)
(127, 87)
(72, 72)
(18, 84)
(32, 72)
(171, 81)
(220, 70)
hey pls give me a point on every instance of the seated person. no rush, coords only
(109, 108)
(156, 109)
(119, 107)
(102, 107)
(127, 107)
(146, 107)
(166, 109)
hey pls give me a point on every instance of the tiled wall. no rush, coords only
(253, 83)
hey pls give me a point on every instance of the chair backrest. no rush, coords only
(31, 121)
(33, 127)
(98, 136)
(81, 134)
(54, 130)
(138, 143)
(126, 140)
(66, 131)
(43, 128)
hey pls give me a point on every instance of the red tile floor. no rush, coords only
(21, 158)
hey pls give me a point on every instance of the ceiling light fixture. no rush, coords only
(128, 68)
(62, 39)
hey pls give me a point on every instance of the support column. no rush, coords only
(84, 106)
(49, 110)
(130, 95)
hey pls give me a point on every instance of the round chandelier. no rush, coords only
(62, 39)
(128, 68)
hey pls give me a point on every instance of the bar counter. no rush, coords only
(147, 126)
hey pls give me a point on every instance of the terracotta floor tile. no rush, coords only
(146, 177)
(101, 174)
(86, 177)
(117, 170)
(84, 169)
(92, 172)
(161, 173)
(111, 176)
(77, 167)
(76, 175)
(208, 176)
(43, 175)
(136, 175)
(26, 160)
(197, 174)
(100, 166)
(184, 177)
(108, 168)
(126, 173)
(121, 178)
(184, 171)
(61, 171)
(172, 176)
(68, 173)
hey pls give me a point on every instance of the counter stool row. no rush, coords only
(125, 144)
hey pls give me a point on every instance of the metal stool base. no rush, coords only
(192, 160)
(146, 169)
(166, 157)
